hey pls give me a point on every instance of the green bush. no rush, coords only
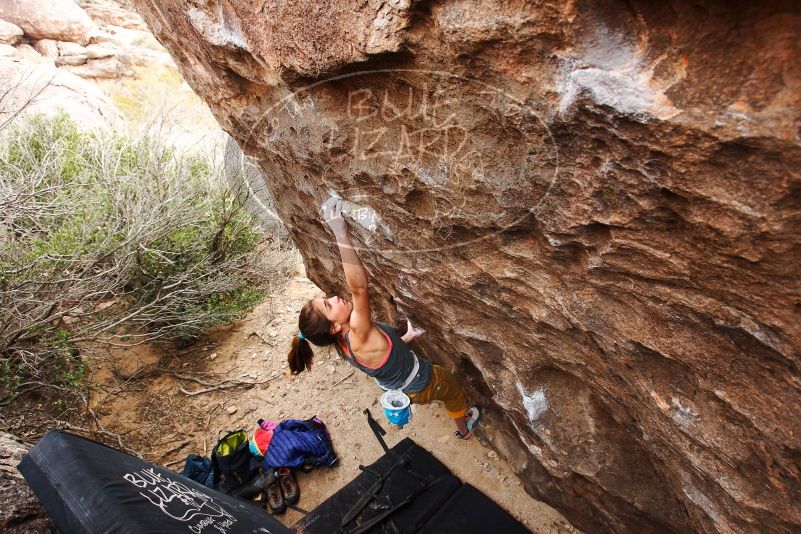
(102, 235)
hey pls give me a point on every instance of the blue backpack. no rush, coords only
(200, 470)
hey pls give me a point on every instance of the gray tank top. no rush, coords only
(395, 369)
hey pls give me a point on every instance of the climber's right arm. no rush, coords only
(355, 274)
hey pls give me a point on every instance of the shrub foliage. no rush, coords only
(108, 237)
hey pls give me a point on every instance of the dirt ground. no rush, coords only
(157, 413)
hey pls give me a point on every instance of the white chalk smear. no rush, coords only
(364, 216)
(535, 402)
(617, 74)
(221, 32)
(703, 502)
(684, 415)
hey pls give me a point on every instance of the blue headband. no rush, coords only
(300, 335)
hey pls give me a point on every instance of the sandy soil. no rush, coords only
(153, 414)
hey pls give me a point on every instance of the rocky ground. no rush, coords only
(161, 413)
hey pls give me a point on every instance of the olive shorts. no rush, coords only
(443, 387)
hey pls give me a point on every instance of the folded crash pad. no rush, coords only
(87, 487)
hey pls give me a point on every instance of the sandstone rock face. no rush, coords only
(592, 207)
(9, 33)
(62, 20)
(20, 510)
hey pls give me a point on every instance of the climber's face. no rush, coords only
(336, 309)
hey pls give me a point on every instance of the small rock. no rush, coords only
(444, 439)
(30, 53)
(212, 356)
(231, 410)
(64, 53)
(46, 47)
(110, 67)
(101, 50)
(9, 33)
(492, 455)
(6, 50)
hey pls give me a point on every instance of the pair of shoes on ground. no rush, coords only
(283, 491)
(472, 418)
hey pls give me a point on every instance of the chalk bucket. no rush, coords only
(396, 407)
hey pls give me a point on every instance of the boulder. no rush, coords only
(29, 53)
(43, 88)
(143, 57)
(71, 54)
(107, 67)
(126, 37)
(47, 48)
(593, 209)
(6, 50)
(9, 33)
(61, 20)
(20, 510)
(62, 52)
(111, 13)
(101, 50)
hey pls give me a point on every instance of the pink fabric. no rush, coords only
(269, 425)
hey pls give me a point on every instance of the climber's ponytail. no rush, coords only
(300, 356)
(315, 328)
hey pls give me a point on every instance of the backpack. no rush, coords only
(199, 469)
(234, 464)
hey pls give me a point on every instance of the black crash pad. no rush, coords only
(469, 510)
(87, 487)
(439, 501)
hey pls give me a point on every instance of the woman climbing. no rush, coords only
(373, 347)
